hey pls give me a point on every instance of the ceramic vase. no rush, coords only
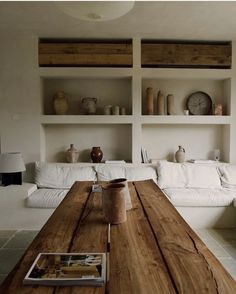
(113, 202)
(149, 101)
(89, 105)
(180, 155)
(96, 154)
(128, 204)
(170, 105)
(72, 154)
(160, 103)
(60, 103)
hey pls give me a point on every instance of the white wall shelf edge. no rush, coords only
(183, 119)
(86, 119)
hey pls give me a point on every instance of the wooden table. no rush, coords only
(154, 251)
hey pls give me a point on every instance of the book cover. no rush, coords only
(55, 269)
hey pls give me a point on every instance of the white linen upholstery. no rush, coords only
(61, 176)
(200, 197)
(228, 176)
(46, 198)
(187, 175)
(141, 173)
(108, 172)
(202, 176)
(171, 175)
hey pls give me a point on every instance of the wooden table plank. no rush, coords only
(91, 236)
(136, 265)
(55, 236)
(194, 269)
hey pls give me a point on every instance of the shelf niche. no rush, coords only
(111, 138)
(108, 91)
(217, 89)
(199, 141)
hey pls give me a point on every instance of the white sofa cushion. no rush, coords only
(187, 175)
(46, 198)
(228, 176)
(200, 197)
(107, 172)
(61, 176)
(140, 173)
(171, 174)
(202, 176)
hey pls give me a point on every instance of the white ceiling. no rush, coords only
(200, 20)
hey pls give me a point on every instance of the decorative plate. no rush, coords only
(199, 103)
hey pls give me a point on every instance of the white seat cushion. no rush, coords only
(61, 176)
(200, 197)
(140, 173)
(46, 198)
(108, 172)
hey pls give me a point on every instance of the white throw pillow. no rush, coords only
(108, 172)
(228, 175)
(202, 176)
(187, 175)
(61, 176)
(171, 175)
(140, 173)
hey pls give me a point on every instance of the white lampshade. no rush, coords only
(11, 163)
(95, 10)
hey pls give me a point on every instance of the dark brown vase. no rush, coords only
(96, 154)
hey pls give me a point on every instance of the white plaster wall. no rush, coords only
(20, 98)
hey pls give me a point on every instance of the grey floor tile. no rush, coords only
(216, 249)
(7, 233)
(9, 258)
(22, 239)
(2, 278)
(231, 249)
(224, 236)
(203, 234)
(3, 241)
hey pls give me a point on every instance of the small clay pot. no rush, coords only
(96, 154)
(113, 202)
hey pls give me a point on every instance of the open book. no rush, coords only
(64, 269)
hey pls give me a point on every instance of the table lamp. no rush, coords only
(11, 168)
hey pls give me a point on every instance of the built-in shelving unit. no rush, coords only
(122, 136)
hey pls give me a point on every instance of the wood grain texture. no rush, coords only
(66, 231)
(136, 264)
(193, 268)
(186, 55)
(85, 54)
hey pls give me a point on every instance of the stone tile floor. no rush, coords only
(12, 246)
(222, 243)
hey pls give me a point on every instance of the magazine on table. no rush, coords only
(65, 269)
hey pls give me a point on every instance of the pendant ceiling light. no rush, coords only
(95, 10)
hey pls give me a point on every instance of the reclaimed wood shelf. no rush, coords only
(85, 53)
(186, 54)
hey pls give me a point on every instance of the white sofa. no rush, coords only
(55, 179)
(204, 194)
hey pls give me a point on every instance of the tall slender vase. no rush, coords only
(170, 105)
(160, 103)
(96, 154)
(149, 101)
